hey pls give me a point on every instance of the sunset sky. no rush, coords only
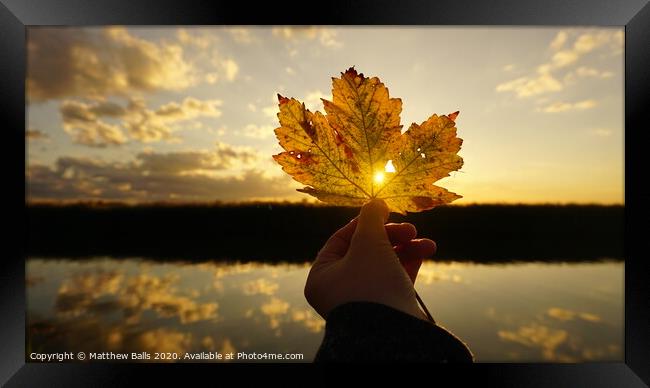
(187, 114)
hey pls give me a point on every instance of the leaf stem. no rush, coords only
(424, 307)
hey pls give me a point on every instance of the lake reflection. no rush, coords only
(514, 312)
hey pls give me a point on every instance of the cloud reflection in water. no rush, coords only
(508, 312)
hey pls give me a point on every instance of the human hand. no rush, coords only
(370, 262)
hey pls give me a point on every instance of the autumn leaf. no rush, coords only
(356, 150)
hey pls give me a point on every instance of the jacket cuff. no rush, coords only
(373, 332)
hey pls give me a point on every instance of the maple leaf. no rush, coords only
(356, 151)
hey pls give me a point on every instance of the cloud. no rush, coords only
(32, 134)
(212, 78)
(588, 42)
(164, 340)
(584, 44)
(187, 161)
(275, 309)
(313, 100)
(259, 286)
(543, 80)
(83, 121)
(149, 292)
(217, 131)
(102, 291)
(99, 62)
(258, 131)
(569, 315)
(227, 347)
(176, 176)
(208, 343)
(279, 312)
(198, 38)
(97, 134)
(325, 36)
(564, 58)
(228, 67)
(313, 322)
(328, 38)
(539, 336)
(241, 35)
(560, 314)
(584, 71)
(589, 317)
(618, 43)
(219, 271)
(568, 106)
(531, 86)
(79, 293)
(559, 40)
(189, 108)
(428, 275)
(212, 66)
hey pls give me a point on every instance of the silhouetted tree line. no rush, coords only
(293, 232)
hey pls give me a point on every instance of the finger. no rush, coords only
(336, 246)
(400, 233)
(371, 232)
(412, 254)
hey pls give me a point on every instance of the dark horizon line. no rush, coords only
(303, 203)
(293, 232)
(193, 259)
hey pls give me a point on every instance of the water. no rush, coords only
(533, 312)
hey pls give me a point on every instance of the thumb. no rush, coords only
(370, 233)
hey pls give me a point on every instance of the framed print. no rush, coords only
(184, 165)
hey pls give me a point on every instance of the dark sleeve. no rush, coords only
(372, 332)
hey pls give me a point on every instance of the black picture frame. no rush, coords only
(15, 15)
